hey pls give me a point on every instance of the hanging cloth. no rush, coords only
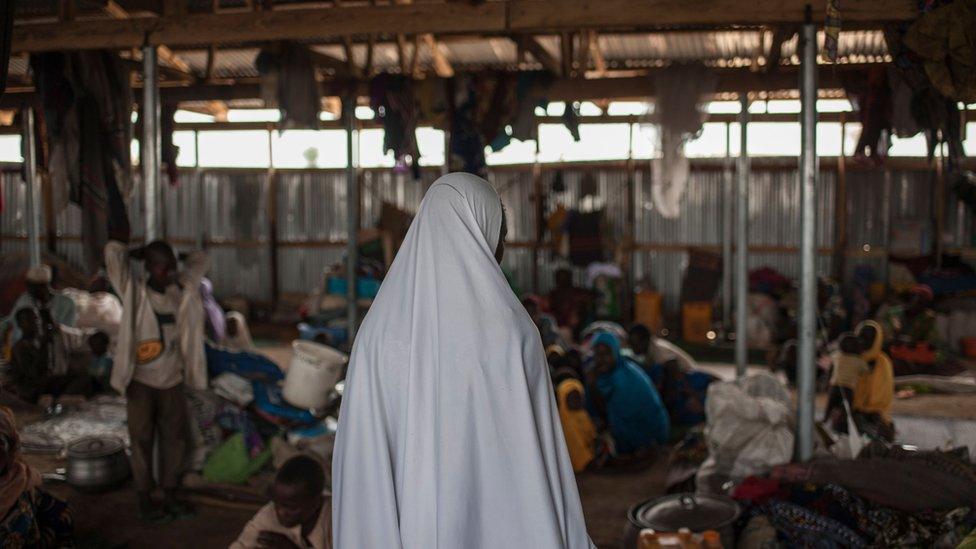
(449, 434)
(680, 118)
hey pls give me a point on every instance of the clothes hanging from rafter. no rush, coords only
(391, 98)
(87, 105)
(289, 66)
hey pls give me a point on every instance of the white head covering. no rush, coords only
(448, 434)
(242, 341)
(40, 274)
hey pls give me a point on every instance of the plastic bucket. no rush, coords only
(312, 375)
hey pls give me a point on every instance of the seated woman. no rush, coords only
(622, 397)
(875, 390)
(29, 516)
(238, 335)
(682, 389)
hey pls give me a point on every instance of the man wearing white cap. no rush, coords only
(40, 297)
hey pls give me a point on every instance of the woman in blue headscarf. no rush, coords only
(621, 395)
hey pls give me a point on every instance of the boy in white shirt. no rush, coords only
(158, 352)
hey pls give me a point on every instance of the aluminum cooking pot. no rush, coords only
(696, 512)
(96, 463)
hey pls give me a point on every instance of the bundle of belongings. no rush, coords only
(887, 497)
(749, 430)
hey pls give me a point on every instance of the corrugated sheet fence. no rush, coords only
(231, 211)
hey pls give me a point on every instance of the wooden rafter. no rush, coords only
(174, 8)
(211, 61)
(566, 50)
(218, 109)
(339, 67)
(165, 54)
(370, 52)
(583, 52)
(351, 67)
(780, 35)
(442, 67)
(501, 17)
(67, 10)
(401, 47)
(599, 62)
(415, 59)
(548, 61)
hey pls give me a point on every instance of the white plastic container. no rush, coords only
(313, 373)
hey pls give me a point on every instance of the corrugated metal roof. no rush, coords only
(621, 51)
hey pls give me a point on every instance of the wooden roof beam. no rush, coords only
(442, 67)
(599, 61)
(501, 17)
(780, 35)
(548, 61)
(165, 54)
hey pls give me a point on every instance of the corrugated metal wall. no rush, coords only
(229, 208)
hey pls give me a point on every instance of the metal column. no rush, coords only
(807, 345)
(149, 147)
(352, 215)
(728, 227)
(33, 186)
(742, 241)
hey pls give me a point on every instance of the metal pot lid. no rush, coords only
(695, 512)
(95, 447)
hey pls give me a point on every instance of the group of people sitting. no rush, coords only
(619, 396)
(49, 355)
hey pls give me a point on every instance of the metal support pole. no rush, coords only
(742, 242)
(807, 345)
(728, 228)
(33, 186)
(149, 147)
(352, 214)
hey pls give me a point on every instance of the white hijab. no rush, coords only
(242, 341)
(448, 435)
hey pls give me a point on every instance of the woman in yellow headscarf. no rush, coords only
(875, 390)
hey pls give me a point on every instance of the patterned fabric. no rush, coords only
(38, 520)
(801, 527)
(845, 514)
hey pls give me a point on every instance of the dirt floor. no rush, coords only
(111, 519)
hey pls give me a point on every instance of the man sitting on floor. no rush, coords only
(40, 296)
(300, 512)
(41, 362)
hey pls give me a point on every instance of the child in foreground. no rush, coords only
(300, 512)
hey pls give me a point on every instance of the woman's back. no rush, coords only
(448, 436)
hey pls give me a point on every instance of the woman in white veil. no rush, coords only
(448, 435)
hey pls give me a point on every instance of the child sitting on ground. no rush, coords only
(848, 367)
(300, 512)
(578, 428)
